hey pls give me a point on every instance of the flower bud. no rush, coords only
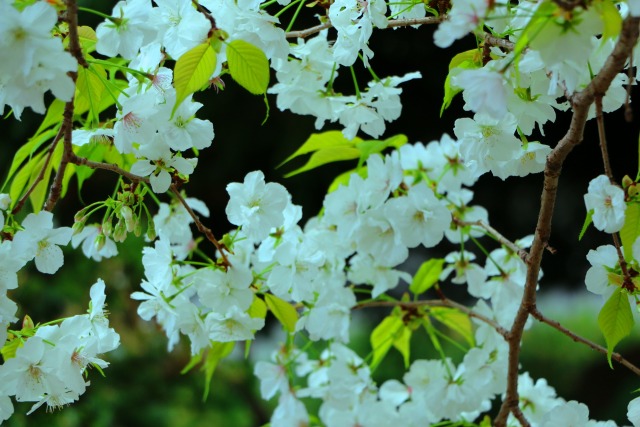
(151, 230)
(120, 232)
(5, 201)
(99, 242)
(626, 181)
(107, 226)
(78, 226)
(27, 323)
(137, 229)
(127, 214)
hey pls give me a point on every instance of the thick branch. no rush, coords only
(577, 338)
(580, 102)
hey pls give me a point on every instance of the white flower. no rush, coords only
(607, 202)
(484, 91)
(127, 31)
(40, 239)
(256, 206)
(633, 410)
(235, 325)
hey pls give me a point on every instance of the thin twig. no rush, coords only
(437, 303)
(497, 41)
(81, 161)
(602, 137)
(499, 237)
(390, 24)
(201, 227)
(577, 338)
(207, 15)
(581, 102)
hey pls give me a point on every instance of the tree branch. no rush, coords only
(581, 102)
(201, 227)
(499, 237)
(390, 24)
(577, 338)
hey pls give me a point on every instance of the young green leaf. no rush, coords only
(610, 18)
(218, 351)
(631, 229)
(402, 343)
(284, 312)
(249, 66)
(192, 72)
(615, 320)
(587, 223)
(427, 276)
(318, 141)
(456, 320)
(465, 60)
(327, 155)
(383, 337)
(258, 308)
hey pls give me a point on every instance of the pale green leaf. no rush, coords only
(27, 151)
(369, 147)
(465, 60)
(284, 312)
(192, 72)
(402, 343)
(456, 320)
(327, 155)
(10, 348)
(195, 359)
(383, 337)
(249, 66)
(218, 351)
(22, 178)
(610, 18)
(39, 192)
(318, 141)
(53, 116)
(88, 39)
(90, 89)
(258, 308)
(615, 320)
(427, 275)
(587, 223)
(630, 230)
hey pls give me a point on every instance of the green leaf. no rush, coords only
(428, 275)
(369, 147)
(90, 89)
(464, 60)
(53, 116)
(27, 151)
(587, 223)
(88, 39)
(403, 344)
(327, 155)
(8, 351)
(615, 320)
(23, 177)
(284, 312)
(195, 359)
(631, 229)
(456, 320)
(383, 337)
(39, 193)
(318, 141)
(249, 66)
(192, 72)
(610, 18)
(258, 308)
(218, 351)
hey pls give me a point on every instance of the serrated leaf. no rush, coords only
(318, 141)
(22, 178)
(587, 223)
(427, 275)
(455, 320)
(284, 312)
(383, 337)
(615, 320)
(258, 308)
(403, 344)
(53, 116)
(325, 156)
(90, 89)
(27, 151)
(192, 72)
(249, 66)
(88, 39)
(630, 230)
(218, 351)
